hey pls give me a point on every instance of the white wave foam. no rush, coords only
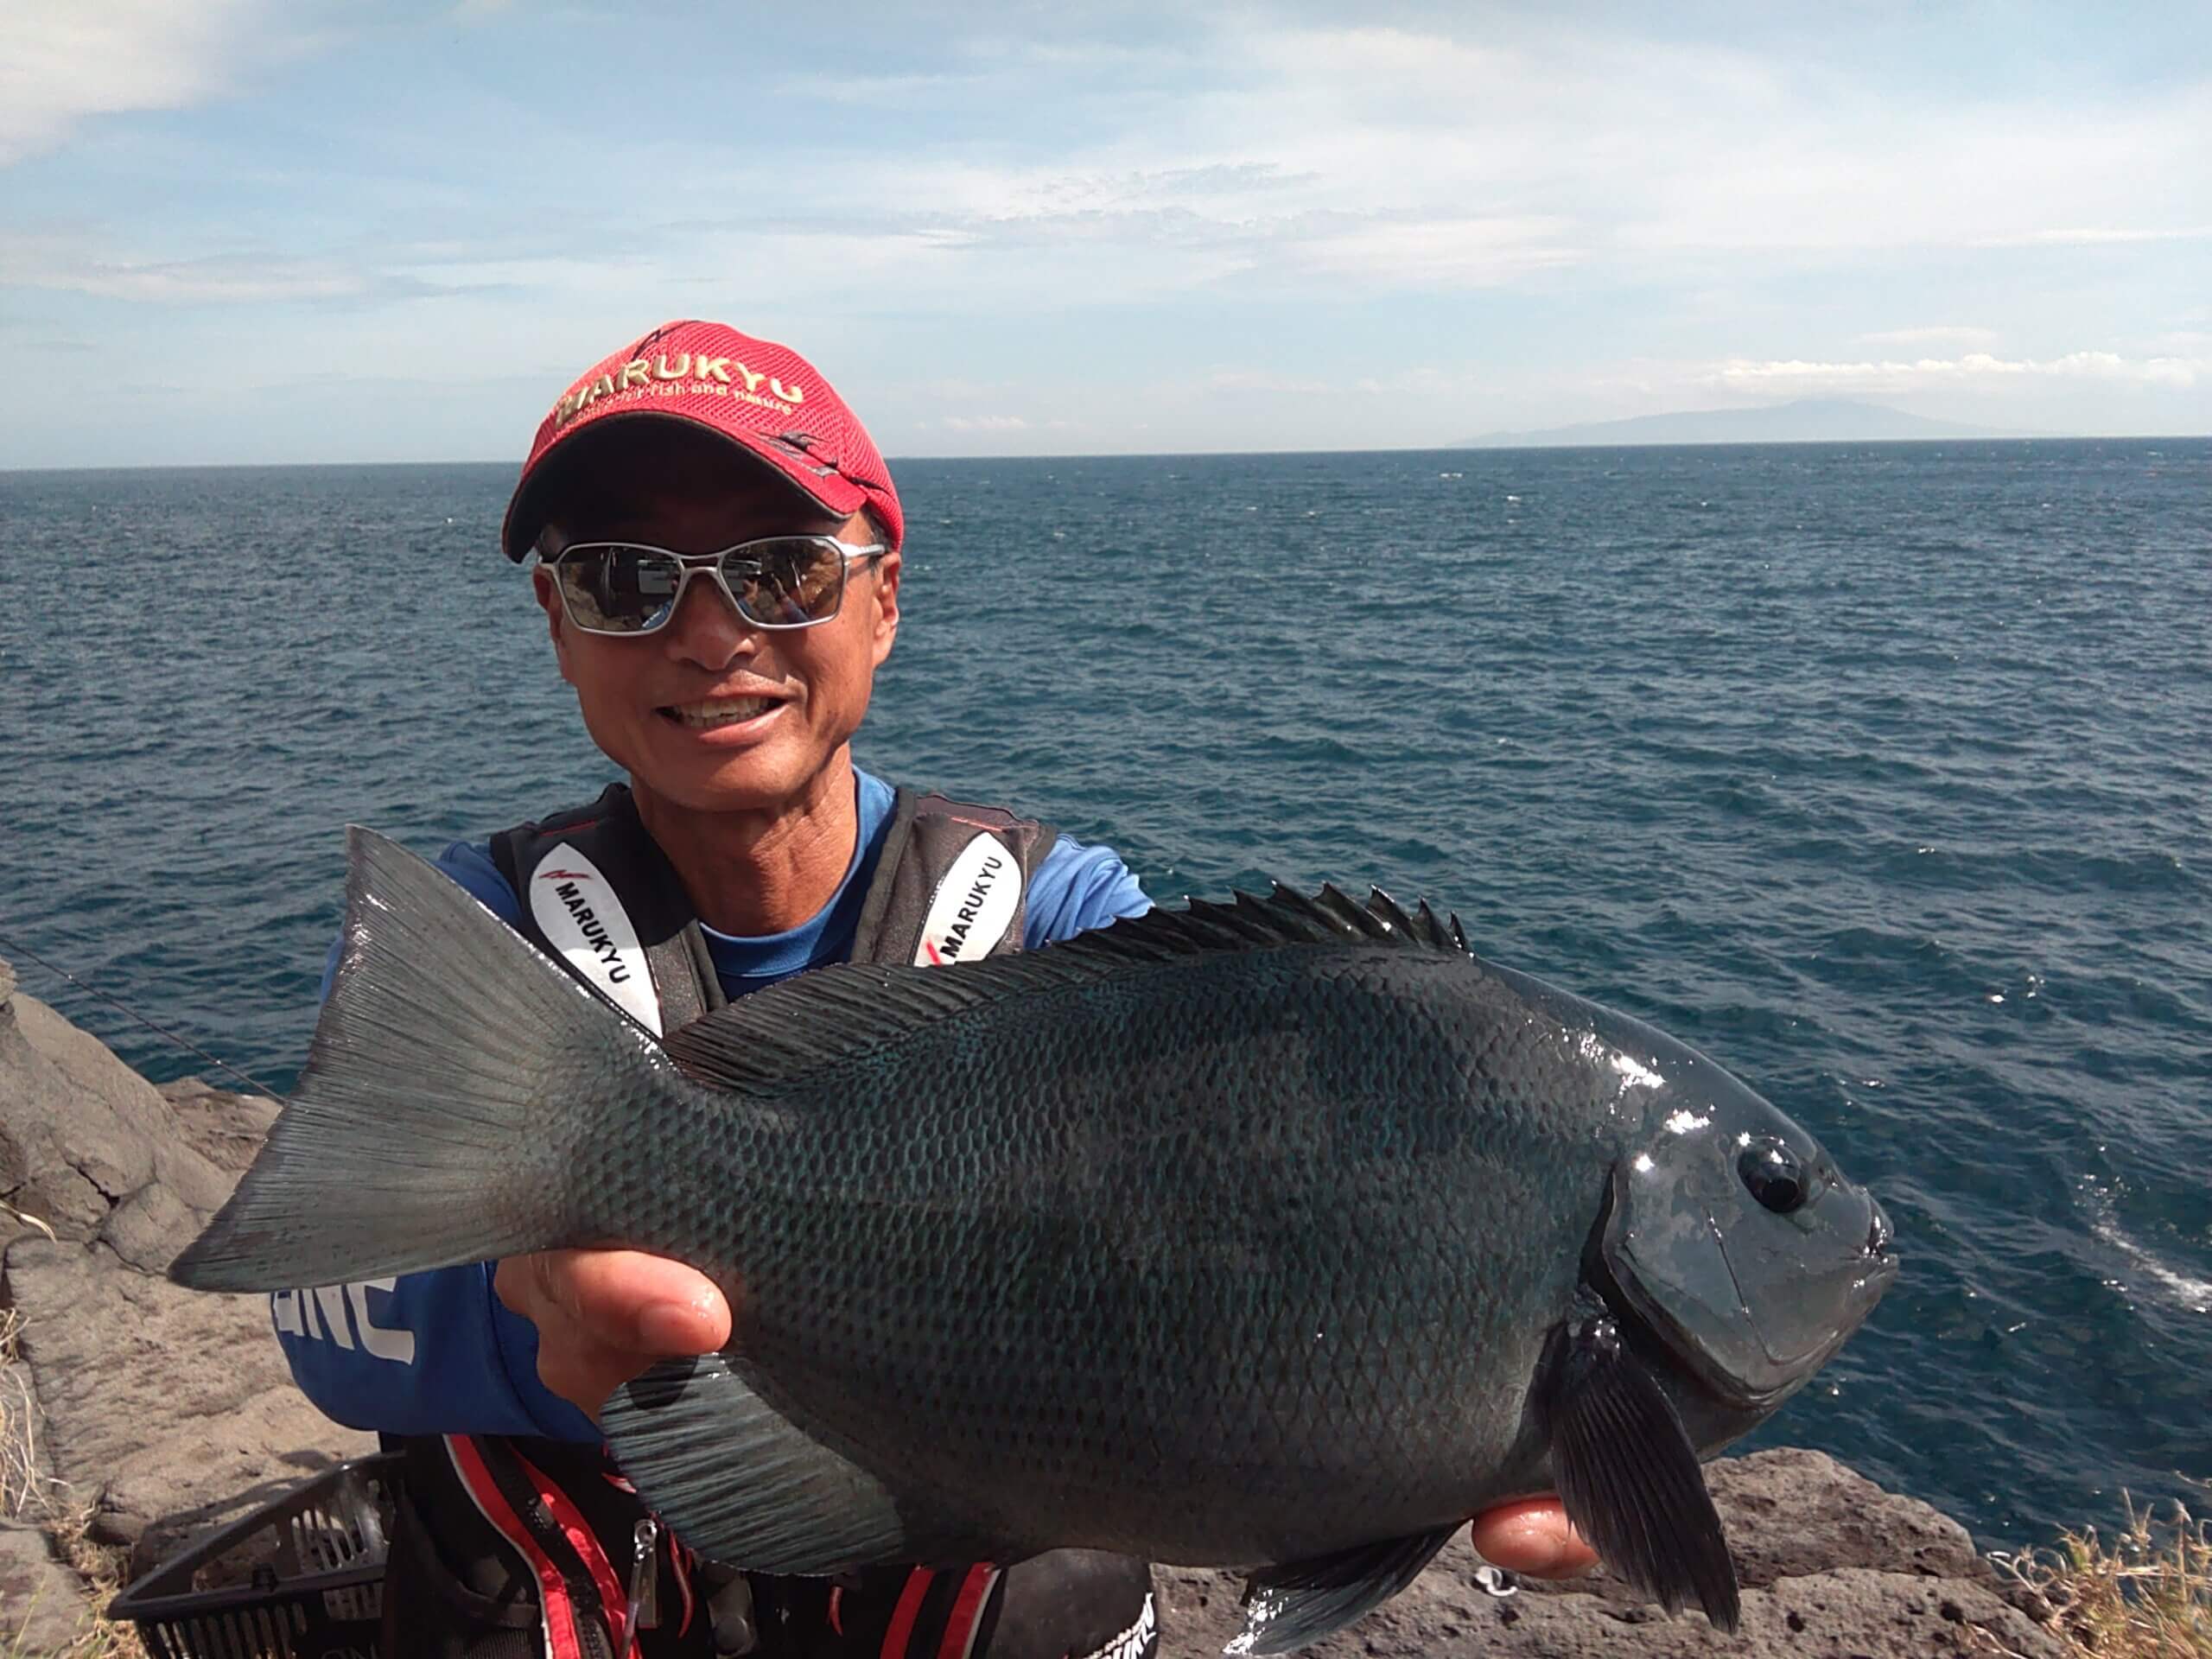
(2195, 1295)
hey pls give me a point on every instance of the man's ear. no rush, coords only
(887, 605)
(556, 619)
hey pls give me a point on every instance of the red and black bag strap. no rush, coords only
(581, 1600)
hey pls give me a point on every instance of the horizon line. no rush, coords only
(1478, 448)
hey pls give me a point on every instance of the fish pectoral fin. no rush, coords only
(741, 1483)
(1629, 1478)
(1294, 1606)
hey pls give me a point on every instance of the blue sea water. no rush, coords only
(1881, 772)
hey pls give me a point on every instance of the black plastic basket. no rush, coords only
(300, 1578)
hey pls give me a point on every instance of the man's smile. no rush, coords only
(715, 713)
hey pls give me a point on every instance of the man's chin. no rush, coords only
(767, 778)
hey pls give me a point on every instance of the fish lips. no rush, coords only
(1750, 1320)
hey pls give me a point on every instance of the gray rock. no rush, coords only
(163, 1412)
(1790, 1507)
(225, 1129)
(42, 1605)
(1808, 1536)
(166, 1410)
(80, 1132)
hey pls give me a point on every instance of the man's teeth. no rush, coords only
(724, 713)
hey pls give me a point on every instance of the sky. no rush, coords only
(279, 230)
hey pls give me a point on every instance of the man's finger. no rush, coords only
(622, 1299)
(1533, 1535)
(629, 1300)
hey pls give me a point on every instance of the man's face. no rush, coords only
(659, 704)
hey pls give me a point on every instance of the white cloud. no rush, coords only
(1795, 375)
(74, 263)
(61, 63)
(2091, 236)
(1936, 335)
(1216, 230)
(1364, 160)
(1436, 251)
(1275, 384)
(1338, 161)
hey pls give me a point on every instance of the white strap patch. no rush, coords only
(576, 910)
(974, 906)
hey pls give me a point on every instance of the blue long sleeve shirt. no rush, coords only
(438, 1353)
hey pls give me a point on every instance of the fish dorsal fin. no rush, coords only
(838, 1012)
(1248, 922)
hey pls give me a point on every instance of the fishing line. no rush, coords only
(260, 1088)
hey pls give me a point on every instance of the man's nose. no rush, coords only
(706, 628)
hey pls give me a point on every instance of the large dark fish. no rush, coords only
(1284, 1233)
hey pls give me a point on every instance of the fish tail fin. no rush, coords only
(446, 1113)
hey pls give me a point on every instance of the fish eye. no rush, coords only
(1773, 1176)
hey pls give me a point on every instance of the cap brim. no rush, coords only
(524, 519)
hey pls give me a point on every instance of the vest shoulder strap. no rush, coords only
(597, 894)
(952, 884)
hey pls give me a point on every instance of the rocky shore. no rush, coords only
(138, 1416)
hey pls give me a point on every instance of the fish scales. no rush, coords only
(1286, 1225)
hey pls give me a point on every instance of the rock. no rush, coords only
(41, 1601)
(1820, 1583)
(166, 1410)
(225, 1129)
(1790, 1507)
(80, 1132)
(161, 1411)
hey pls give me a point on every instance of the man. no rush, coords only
(719, 560)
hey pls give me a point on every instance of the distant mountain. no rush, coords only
(1809, 419)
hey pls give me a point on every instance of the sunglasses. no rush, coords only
(780, 581)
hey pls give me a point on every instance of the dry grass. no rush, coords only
(101, 1567)
(24, 1492)
(29, 1494)
(2147, 1595)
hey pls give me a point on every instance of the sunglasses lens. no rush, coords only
(615, 589)
(790, 581)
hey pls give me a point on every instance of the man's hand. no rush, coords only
(1532, 1536)
(604, 1316)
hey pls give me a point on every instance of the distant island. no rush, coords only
(1808, 420)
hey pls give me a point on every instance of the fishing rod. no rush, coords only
(15, 948)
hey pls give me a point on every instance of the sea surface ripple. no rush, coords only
(1880, 772)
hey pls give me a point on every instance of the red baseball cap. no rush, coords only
(764, 398)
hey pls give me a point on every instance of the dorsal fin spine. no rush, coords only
(839, 1012)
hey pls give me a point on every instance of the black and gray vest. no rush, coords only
(510, 1548)
(598, 895)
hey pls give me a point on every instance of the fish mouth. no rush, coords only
(1879, 1234)
(1727, 1350)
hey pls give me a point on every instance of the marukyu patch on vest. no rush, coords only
(973, 905)
(575, 907)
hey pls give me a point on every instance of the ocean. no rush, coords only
(1881, 772)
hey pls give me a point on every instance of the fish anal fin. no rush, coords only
(1296, 1605)
(740, 1483)
(1629, 1478)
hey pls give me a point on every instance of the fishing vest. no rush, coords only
(598, 896)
